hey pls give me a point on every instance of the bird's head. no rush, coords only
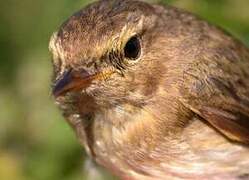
(107, 51)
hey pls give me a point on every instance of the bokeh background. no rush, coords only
(35, 141)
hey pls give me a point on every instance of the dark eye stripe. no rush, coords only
(116, 59)
(131, 51)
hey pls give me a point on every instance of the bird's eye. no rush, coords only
(132, 48)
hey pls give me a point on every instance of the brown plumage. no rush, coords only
(153, 92)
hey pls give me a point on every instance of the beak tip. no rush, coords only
(55, 93)
(70, 81)
(61, 84)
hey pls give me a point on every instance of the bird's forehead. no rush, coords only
(92, 31)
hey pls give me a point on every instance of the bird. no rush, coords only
(153, 91)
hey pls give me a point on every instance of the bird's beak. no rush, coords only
(72, 81)
(76, 80)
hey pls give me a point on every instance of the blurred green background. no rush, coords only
(35, 141)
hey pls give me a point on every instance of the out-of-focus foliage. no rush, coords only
(35, 141)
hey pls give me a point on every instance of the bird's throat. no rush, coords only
(135, 144)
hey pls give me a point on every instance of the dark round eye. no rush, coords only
(132, 48)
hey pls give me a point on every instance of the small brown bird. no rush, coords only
(154, 92)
